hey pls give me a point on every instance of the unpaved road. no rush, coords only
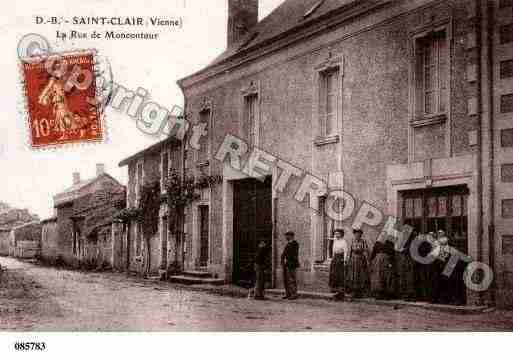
(36, 298)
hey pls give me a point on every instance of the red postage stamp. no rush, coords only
(61, 99)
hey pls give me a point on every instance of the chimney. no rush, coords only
(100, 169)
(242, 16)
(76, 177)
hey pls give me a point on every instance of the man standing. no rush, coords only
(290, 263)
(260, 266)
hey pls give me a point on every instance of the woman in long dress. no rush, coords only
(382, 270)
(358, 271)
(406, 270)
(337, 266)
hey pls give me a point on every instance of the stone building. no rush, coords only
(148, 166)
(84, 213)
(405, 105)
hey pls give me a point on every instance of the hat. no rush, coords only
(289, 233)
(357, 230)
(339, 230)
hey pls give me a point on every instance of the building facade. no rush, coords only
(149, 166)
(81, 233)
(406, 106)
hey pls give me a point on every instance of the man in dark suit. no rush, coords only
(290, 263)
(260, 267)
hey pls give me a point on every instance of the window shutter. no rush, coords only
(419, 73)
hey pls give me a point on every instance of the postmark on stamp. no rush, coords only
(61, 93)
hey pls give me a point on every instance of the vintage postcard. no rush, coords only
(255, 166)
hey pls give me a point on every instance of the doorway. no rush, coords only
(163, 259)
(444, 208)
(252, 222)
(203, 237)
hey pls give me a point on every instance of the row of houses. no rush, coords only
(83, 231)
(406, 105)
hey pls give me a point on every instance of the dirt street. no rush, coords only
(36, 298)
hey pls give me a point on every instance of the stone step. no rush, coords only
(197, 274)
(190, 280)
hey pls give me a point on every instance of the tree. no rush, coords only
(149, 216)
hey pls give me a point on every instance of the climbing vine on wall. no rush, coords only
(183, 191)
(127, 215)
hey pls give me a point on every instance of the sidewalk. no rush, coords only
(234, 291)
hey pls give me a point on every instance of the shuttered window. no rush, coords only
(432, 74)
(204, 150)
(249, 118)
(507, 137)
(507, 208)
(329, 98)
(507, 103)
(165, 166)
(506, 69)
(507, 172)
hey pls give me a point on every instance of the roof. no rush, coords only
(286, 20)
(48, 220)
(71, 193)
(153, 148)
(29, 224)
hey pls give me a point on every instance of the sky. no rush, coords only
(30, 178)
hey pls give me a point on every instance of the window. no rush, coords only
(506, 69)
(75, 242)
(507, 244)
(249, 121)
(505, 3)
(507, 103)
(507, 137)
(329, 101)
(165, 169)
(175, 159)
(507, 172)
(204, 150)
(507, 208)
(139, 172)
(326, 231)
(506, 33)
(432, 75)
(138, 242)
(438, 209)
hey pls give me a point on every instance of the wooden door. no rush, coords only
(252, 224)
(204, 224)
(165, 229)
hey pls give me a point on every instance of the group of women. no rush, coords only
(386, 272)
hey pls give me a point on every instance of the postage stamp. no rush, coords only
(60, 92)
